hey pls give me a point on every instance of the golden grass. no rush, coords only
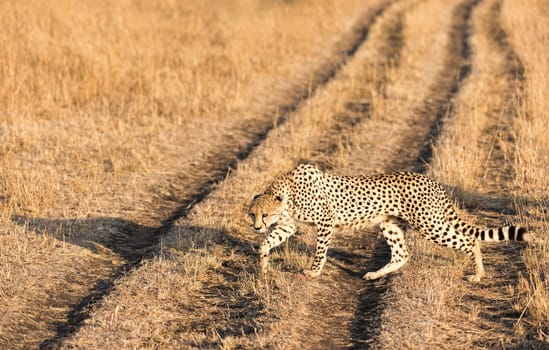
(136, 79)
(285, 295)
(106, 106)
(481, 157)
(216, 226)
(532, 160)
(111, 110)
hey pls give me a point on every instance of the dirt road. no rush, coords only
(135, 244)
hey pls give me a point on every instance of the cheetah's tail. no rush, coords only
(506, 233)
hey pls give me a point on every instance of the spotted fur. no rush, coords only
(392, 201)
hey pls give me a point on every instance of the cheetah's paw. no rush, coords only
(311, 273)
(473, 278)
(371, 276)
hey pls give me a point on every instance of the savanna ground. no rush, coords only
(134, 134)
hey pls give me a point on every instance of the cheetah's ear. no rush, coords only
(278, 198)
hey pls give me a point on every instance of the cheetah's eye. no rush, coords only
(252, 215)
(264, 216)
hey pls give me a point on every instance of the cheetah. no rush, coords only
(392, 201)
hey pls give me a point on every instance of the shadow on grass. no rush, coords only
(507, 266)
(367, 317)
(495, 299)
(239, 311)
(244, 311)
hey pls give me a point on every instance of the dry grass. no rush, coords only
(480, 143)
(532, 160)
(285, 298)
(106, 107)
(111, 113)
(100, 91)
(216, 226)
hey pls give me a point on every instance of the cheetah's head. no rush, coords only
(265, 211)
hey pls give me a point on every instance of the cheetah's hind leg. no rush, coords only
(393, 230)
(479, 267)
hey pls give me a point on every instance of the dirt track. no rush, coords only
(356, 307)
(135, 244)
(376, 129)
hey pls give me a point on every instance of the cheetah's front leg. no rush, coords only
(323, 238)
(278, 235)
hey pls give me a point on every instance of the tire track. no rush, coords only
(457, 68)
(338, 322)
(241, 322)
(489, 301)
(498, 140)
(137, 244)
(245, 310)
(415, 153)
(357, 111)
(339, 328)
(499, 164)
